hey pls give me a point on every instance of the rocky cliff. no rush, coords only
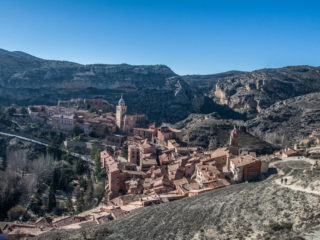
(288, 121)
(210, 132)
(154, 90)
(165, 96)
(251, 92)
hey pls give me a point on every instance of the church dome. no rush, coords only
(121, 101)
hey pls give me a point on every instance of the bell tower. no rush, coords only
(234, 142)
(120, 112)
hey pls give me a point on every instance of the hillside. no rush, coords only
(210, 131)
(25, 79)
(288, 121)
(260, 210)
(250, 92)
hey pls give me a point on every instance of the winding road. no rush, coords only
(82, 157)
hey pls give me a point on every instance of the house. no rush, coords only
(133, 153)
(245, 167)
(205, 174)
(63, 122)
(166, 133)
(289, 152)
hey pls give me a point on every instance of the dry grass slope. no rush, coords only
(258, 210)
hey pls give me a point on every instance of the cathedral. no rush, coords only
(126, 122)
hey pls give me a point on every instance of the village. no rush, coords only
(158, 166)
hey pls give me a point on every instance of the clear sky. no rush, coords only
(190, 36)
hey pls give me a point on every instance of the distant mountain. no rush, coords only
(251, 92)
(288, 121)
(152, 89)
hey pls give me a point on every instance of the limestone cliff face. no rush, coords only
(254, 91)
(210, 132)
(288, 121)
(154, 90)
(251, 92)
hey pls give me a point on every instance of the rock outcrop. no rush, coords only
(251, 92)
(288, 121)
(210, 132)
(154, 90)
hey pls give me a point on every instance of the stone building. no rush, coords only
(245, 167)
(121, 110)
(234, 143)
(126, 122)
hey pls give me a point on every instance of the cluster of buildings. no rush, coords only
(66, 119)
(93, 217)
(76, 113)
(158, 166)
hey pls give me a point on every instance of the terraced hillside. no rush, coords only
(259, 210)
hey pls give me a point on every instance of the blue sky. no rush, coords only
(190, 36)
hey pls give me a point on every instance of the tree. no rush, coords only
(124, 150)
(23, 111)
(52, 199)
(63, 181)
(69, 204)
(80, 203)
(15, 212)
(77, 131)
(88, 197)
(105, 131)
(42, 168)
(10, 111)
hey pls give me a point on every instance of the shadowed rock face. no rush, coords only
(251, 92)
(163, 95)
(288, 121)
(210, 132)
(154, 90)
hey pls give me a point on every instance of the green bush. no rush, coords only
(15, 212)
(282, 226)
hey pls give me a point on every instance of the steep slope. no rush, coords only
(289, 120)
(250, 92)
(154, 90)
(204, 83)
(210, 131)
(242, 211)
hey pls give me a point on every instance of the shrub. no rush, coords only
(282, 226)
(15, 212)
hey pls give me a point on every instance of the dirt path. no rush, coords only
(293, 159)
(289, 177)
(294, 188)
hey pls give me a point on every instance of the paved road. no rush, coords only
(23, 138)
(82, 157)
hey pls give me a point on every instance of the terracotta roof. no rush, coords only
(220, 152)
(243, 160)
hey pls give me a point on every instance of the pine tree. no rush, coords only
(52, 199)
(80, 204)
(69, 204)
(124, 150)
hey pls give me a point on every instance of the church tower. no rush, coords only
(234, 142)
(120, 112)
